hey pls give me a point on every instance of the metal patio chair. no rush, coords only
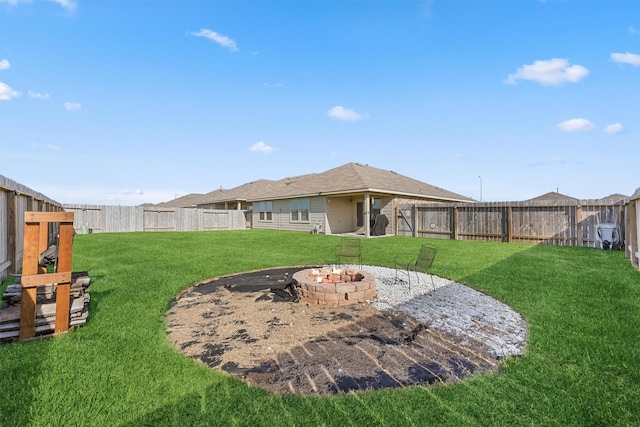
(349, 249)
(421, 264)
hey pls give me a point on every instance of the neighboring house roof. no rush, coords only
(552, 196)
(244, 192)
(612, 199)
(188, 201)
(345, 179)
(557, 197)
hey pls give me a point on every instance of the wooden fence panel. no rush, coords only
(91, 217)
(592, 215)
(632, 232)
(5, 213)
(212, 220)
(404, 221)
(552, 223)
(106, 219)
(159, 219)
(435, 223)
(123, 219)
(189, 220)
(482, 222)
(15, 200)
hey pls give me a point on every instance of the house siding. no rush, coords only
(282, 216)
(341, 215)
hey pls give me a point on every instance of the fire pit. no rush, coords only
(334, 286)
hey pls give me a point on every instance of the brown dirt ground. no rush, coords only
(250, 326)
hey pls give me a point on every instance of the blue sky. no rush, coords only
(126, 102)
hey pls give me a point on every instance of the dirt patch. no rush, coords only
(251, 326)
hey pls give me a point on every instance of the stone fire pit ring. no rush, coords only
(334, 286)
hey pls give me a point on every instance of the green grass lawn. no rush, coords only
(582, 365)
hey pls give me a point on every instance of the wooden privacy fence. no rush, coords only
(632, 229)
(15, 200)
(562, 224)
(107, 219)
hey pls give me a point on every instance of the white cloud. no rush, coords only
(273, 84)
(67, 4)
(6, 93)
(4, 64)
(346, 114)
(633, 30)
(614, 128)
(549, 72)
(576, 125)
(36, 95)
(217, 38)
(72, 106)
(626, 58)
(261, 147)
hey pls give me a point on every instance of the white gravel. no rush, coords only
(451, 307)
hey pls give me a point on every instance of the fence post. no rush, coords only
(12, 230)
(579, 235)
(395, 220)
(509, 224)
(414, 220)
(455, 223)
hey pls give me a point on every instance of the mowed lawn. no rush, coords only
(581, 367)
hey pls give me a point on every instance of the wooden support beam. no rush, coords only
(48, 217)
(30, 260)
(36, 241)
(63, 299)
(36, 280)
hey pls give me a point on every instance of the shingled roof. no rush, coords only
(244, 192)
(553, 196)
(188, 201)
(345, 179)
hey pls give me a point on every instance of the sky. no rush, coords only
(127, 102)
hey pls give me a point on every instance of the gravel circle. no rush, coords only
(451, 307)
(431, 330)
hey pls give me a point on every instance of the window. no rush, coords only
(265, 211)
(300, 210)
(304, 210)
(376, 206)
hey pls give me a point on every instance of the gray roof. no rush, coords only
(188, 201)
(613, 199)
(552, 195)
(345, 179)
(244, 192)
(558, 197)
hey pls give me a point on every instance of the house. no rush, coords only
(553, 196)
(188, 201)
(346, 199)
